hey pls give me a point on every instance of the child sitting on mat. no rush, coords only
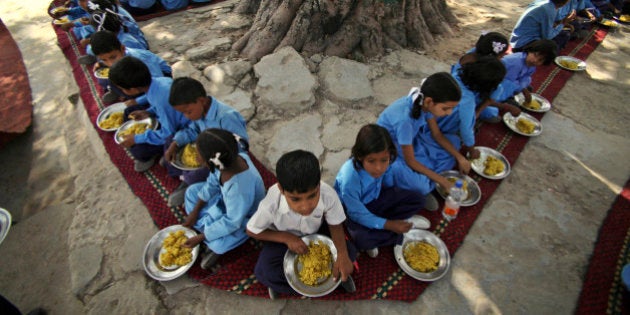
(538, 22)
(376, 209)
(294, 207)
(189, 97)
(108, 50)
(133, 77)
(220, 207)
(405, 119)
(521, 66)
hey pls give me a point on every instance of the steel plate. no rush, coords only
(429, 237)
(478, 164)
(581, 65)
(151, 256)
(545, 105)
(178, 163)
(511, 121)
(474, 193)
(153, 124)
(114, 108)
(292, 267)
(5, 223)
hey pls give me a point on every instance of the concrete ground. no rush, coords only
(526, 253)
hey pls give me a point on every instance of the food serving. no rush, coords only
(136, 129)
(525, 125)
(189, 156)
(316, 264)
(533, 104)
(112, 121)
(568, 64)
(624, 18)
(102, 73)
(152, 261)
(174, 254)
(493, 166)
(421, 256)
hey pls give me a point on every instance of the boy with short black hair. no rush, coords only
(132, 76)
(295, 207)
(108, 49)
(189, 97)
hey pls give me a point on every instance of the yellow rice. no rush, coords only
(316, 264)
(421, 256)
(174, 253)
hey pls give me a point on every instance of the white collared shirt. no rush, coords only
(274, 213)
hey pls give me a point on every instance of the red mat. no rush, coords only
(378, 278)
(602, 290)
(16, 108)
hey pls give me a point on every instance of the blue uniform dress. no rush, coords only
(534, 24)
(396, 118)
(174, 4)
(228, 206)
(79, 30)
(518, 75)
(139, 7)
(151, 143)
(132, 26)
(157, 67)
(220, 116)
(369, 202)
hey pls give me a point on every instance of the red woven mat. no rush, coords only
(378, 278)
(16, 109)
(602, 290)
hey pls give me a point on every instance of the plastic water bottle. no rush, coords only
(453, 201)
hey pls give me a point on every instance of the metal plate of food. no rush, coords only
(570, 63)
(155, 247)
(186, 158)
(57, 10)
(293, 267)
(538, 104)
(471, 189)
(102, 73)
(625, 18)
(524, 124)
(136, 127)
(407, 253)
(5, 223)
(608, 23)
(62, 20)
(488, 166)
(106, 122)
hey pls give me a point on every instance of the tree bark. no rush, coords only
(342, 27)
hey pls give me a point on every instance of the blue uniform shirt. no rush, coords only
(396, 118)
(518, 75)
(170, 119)
(535, 23)
(219, 116)
(462, 120)
(174, 4)
(356, 188)
(157, 66)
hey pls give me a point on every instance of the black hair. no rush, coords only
(111, 22)
(186, 90)
(212, 141)
(130, 72)
(559, 3)
(372, 138)
(487, 43)
(104, 42)
(441, 87)
(298, 171)
(544, 47)
(483, 75)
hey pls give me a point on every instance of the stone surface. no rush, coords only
(229, 73)
(390, 87)
(332, 163)
(117, 297)
(184, 68)
(241, 101)
(231, 22)
(345, 80)
(208, 49)
(85, 263)
(300, 133)
(419, 65)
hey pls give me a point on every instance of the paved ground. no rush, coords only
(76, 245)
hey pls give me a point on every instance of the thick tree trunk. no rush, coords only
(342, 27)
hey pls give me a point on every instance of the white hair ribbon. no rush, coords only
(498, 47)
(93, 6)
(238, 138)
(216, 161)
(100, 19)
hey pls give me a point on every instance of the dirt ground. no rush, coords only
(526, 254)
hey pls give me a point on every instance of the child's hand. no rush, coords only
(67, 26)
(194, 241)
(85, 20)
(515, 111)
(398, 226)
(296, 245)
(139, 114)
(472, 153)
(84, 42)
(131, 102)
(342, 266)
(464, 165)
(171, 152)
(128, 141)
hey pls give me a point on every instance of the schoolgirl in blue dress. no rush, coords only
(375, 208)
(539, 22)
(405, 119)
(220, 207)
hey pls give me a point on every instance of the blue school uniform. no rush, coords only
(174, 4)
(170, 119)
(220, 116)
(518, 75)
(228, 206)
(535, 23)
(406, 131)
(132, 26)
(124, 38)
(369, 202)
(142, 4)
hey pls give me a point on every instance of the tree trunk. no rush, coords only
(342, 27)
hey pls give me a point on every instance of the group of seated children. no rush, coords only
(390, 176)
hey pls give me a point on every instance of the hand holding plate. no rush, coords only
(342, 266)
(138, 114)
(398, 226)
(194, 241)
(171, 152)
(128, 141)
(296, 245)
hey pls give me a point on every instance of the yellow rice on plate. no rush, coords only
(135, 130)
(112, 121)
(421, 256)
(316, 264)
(174, 253)
(189, 156)
(493, 166)
(525, 126)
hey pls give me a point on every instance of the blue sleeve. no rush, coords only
(467, 119)
(211, 188)
(233, 122)
(142, 99)
(349, 190)
(186, 135)
(238, 200)
(405, 132)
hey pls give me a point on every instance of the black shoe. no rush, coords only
(209, 260)
(178, 196)
(272, 294)
(348, 285)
